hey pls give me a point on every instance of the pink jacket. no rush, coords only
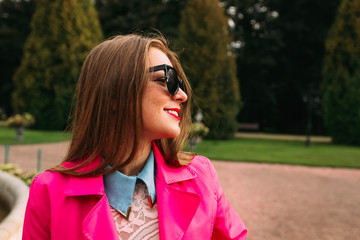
(191, 205)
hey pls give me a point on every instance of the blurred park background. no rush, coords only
(259, 69)
(272, 66)
(276, 81)
(267, 67)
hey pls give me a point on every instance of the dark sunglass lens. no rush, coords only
(172, 82)
(181, 85)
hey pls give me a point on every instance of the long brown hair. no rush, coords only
(107, 115)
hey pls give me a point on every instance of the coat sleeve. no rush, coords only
(37, 214)
(228, 224)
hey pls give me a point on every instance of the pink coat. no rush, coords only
(191, 205)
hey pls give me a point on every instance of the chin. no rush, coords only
(172, 134)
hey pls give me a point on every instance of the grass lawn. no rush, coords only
(276, 151)
(7, 136)
(238, 149)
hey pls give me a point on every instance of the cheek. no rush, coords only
(148, 112)
(151, 107)
(153, 101)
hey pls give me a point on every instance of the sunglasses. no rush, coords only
(173, 83)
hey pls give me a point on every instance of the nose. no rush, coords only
(180, 96)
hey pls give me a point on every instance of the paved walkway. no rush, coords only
(280, 202)
(276, 202)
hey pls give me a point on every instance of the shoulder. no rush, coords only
(202, 165)
(44, 188)
(49, 180)
(48, 177)
(205, 171)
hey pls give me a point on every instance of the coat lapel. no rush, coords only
(176, 205)
(98, 223)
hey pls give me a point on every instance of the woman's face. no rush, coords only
(160, 110)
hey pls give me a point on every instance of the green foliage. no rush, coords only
(20, 120)
(62, 32)
(279, 60)
(198, 129)
(341, 75)
(14, 170)
(123, 17)
(15, 17)
(204, 38)
(168, 20)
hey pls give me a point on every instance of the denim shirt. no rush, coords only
(119, 188)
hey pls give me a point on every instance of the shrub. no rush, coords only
(12, 169)
(204, 40)
(20, 120)
(341, 75)
(62, 33)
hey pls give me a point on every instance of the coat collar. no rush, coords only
(177, 204)
(168, 173)
(80, 186)
(100, 213)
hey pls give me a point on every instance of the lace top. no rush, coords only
(143, 221)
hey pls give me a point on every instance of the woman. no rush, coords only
(124, 175)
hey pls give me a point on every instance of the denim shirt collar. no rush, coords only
(119, 188)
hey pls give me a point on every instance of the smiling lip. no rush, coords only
(173, 112)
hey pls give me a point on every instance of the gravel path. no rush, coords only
(276, 202)
(293, 202)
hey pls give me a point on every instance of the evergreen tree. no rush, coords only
(204, 39)
(62, 32)
(280, 52)
(257, 45)
(123, 17)
(168, 20)
(341, 75)
(15, 16)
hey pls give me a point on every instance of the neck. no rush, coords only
(138, 163)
